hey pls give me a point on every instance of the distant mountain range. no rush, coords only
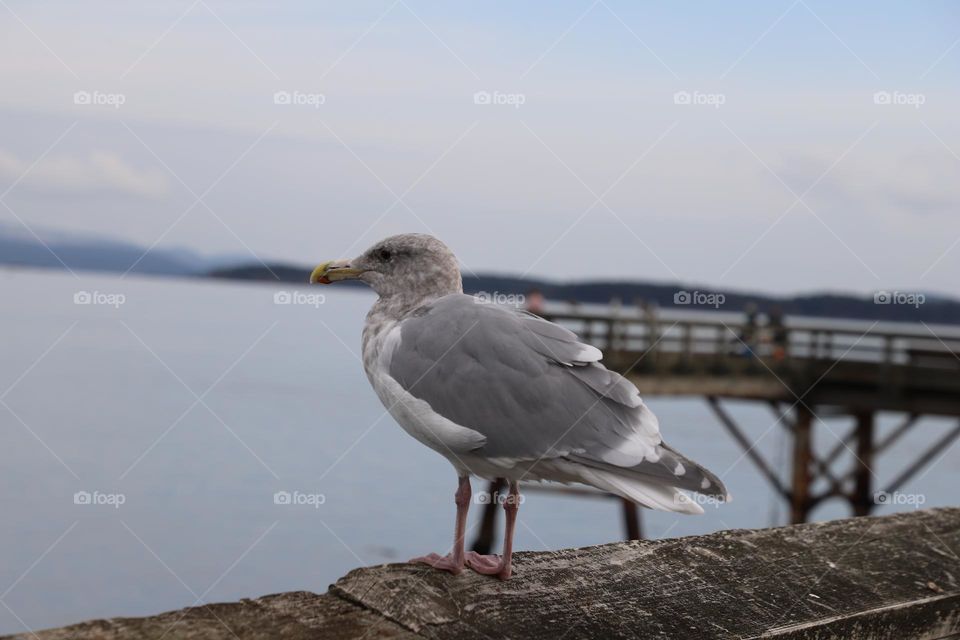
(59, 250)
(19, 247)
(933, 310)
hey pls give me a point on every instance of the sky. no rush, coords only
(782, 146)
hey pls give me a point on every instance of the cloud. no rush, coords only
(97, 172)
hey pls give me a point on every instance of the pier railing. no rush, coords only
(689, 338)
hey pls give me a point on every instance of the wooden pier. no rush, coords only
(814, 370)
(890, 578)
(805, 370)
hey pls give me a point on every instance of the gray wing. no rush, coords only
(533, 390)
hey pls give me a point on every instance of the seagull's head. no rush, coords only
(413, 265)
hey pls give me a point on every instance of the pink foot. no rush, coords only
(444, 563)
(488, 565)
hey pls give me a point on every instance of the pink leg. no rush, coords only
(491, 564)
(453, 562)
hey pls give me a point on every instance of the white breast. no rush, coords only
(415, 416)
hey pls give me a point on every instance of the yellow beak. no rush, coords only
(332, 271)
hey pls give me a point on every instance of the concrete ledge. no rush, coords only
(894, 577)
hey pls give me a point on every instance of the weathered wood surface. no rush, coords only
(297, 615)
(894, 577)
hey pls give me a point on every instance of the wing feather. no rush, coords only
(534, 391)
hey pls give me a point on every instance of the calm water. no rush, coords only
(194, 402)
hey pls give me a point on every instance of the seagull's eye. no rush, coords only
(384, 254)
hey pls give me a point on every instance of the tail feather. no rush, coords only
(696, 477)
(672, 469)
(647, 493)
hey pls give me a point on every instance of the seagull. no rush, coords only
(503, 393)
